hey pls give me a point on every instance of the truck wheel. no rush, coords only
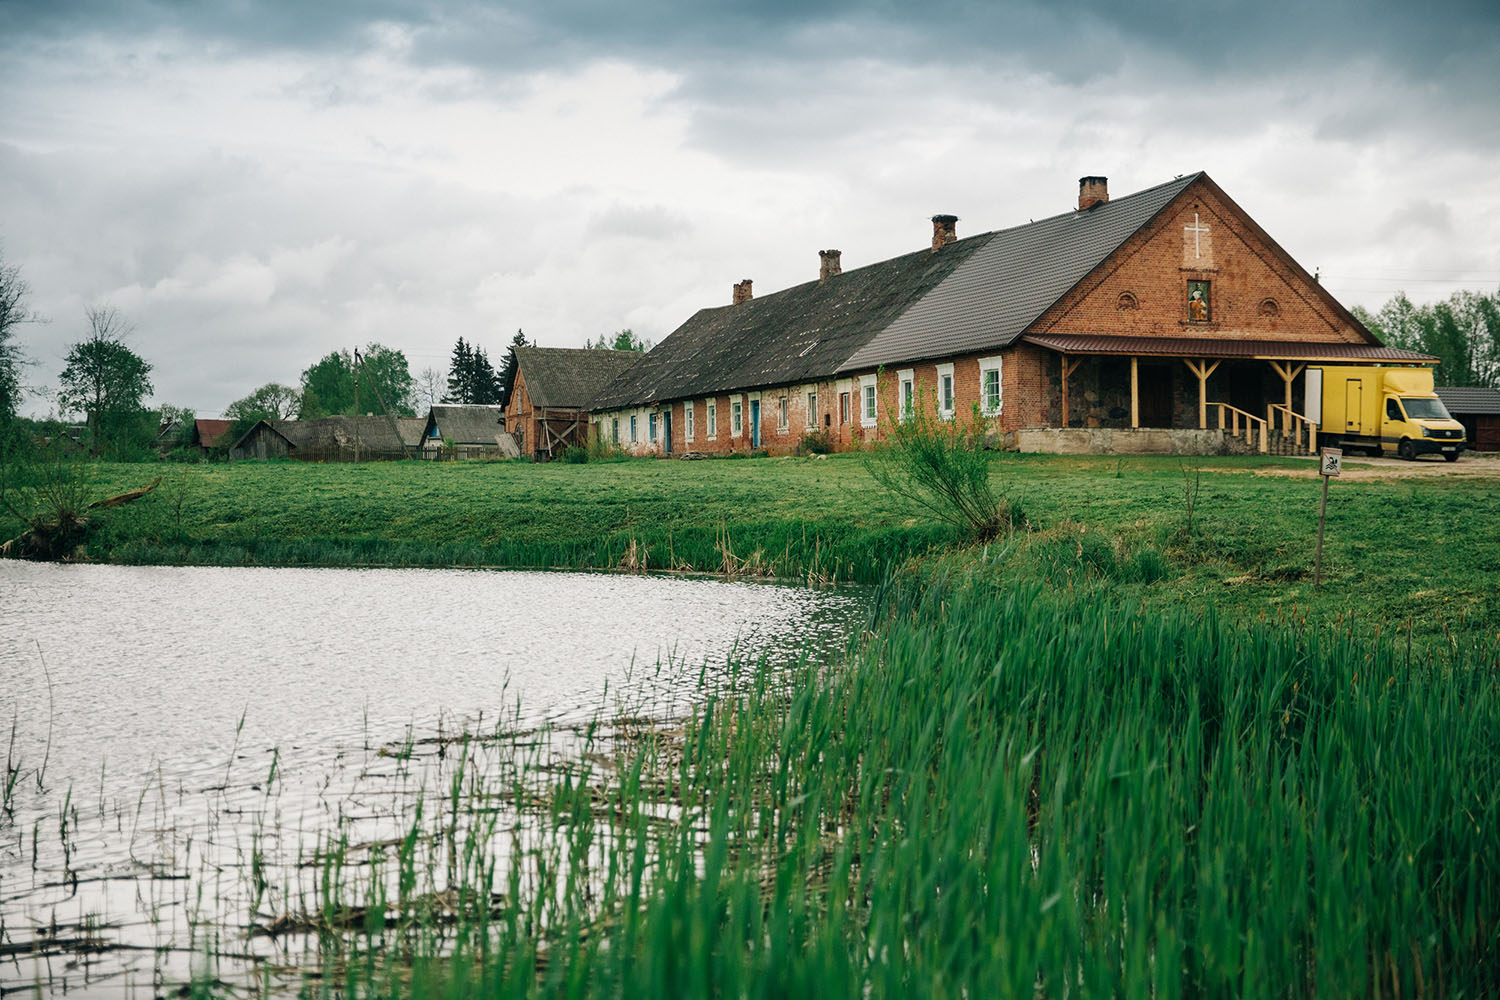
(1405, 450)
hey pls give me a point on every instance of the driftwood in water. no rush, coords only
(52, 539)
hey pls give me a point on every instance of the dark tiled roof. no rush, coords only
(1470, 399)
(1007, 284)
(469, 424)
(1208, 347)
(569, 377)
(798, 334)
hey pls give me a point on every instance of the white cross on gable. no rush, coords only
(1196, 229)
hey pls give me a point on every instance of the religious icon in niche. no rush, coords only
(1199, 308)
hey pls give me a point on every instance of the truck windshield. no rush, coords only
(1424, 408)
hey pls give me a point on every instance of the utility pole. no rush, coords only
(356, 404)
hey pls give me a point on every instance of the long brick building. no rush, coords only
(1167, 310)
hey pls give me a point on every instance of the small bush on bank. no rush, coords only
(575, 454)
(943, 466)
(815, 443)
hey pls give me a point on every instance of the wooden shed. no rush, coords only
(549, 404)
(331, 439)
(1478, 409)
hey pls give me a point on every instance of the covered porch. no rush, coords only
(1251, 390)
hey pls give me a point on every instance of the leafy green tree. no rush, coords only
(1463, 332)
(105, 380)
(272, 401)
(328, 385)
(178, 424)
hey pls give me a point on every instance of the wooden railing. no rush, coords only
(1295, 424)
(1231, 418)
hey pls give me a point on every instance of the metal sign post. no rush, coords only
(1331, 461)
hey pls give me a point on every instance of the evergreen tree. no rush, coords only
(508, 367)
(460, 374)
(486, 382)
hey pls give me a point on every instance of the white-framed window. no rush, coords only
(632, 429)
(651, 422)
(687, 412)
(713, 419)
(945, 391)
(615, 421)
(908, 392)
(737, 416)
(812, 410)
(990, 393)
(781, 414)
(867, 412)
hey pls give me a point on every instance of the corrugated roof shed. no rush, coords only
(798, 334)
(570, 377)
(1467, 399)
(469, 424)
(1010, 281)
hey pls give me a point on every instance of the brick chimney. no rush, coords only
(1092, 191)
(742, 292)
(944, 230)
(829, 264)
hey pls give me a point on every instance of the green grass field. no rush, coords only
(1420, 552)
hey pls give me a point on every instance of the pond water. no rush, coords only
(142, 705)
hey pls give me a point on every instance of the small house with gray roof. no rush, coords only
(1163, 320)
(465, 431)
(548, 405)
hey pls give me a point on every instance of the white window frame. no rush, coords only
(987, 365)
(906, 393)
(688, 421)
(737, 416)
(783, 414)
(615, 421)
(812, 410)
(869, 401)
(633, 439)
(651, 422)
(946, 407)
(712, 406)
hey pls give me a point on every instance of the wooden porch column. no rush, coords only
(1135, 396)
(1288, 372)
(1203, 370)
(1068, 368)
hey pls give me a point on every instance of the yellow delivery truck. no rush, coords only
(1384, 411)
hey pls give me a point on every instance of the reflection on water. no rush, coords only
(152, 688)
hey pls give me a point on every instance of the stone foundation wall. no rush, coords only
(1123, 441)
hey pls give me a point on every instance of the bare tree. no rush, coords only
(13, 312)
(431, 384)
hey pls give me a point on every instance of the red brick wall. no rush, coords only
(1244, 269)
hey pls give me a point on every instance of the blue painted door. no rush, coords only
(755, 423)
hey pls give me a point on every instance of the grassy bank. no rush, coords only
(1419, 553)
(1007, 790)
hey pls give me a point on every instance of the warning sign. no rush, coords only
(1333, 459)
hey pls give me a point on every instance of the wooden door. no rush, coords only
(1155, 403)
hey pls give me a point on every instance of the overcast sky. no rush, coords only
(254, 184)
